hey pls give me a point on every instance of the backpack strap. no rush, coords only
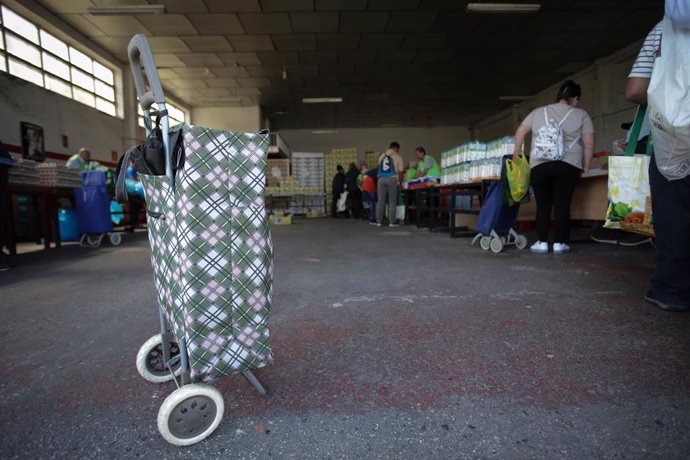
(546, 117)
(577, 139)
(566, 116)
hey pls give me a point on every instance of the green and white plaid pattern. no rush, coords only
(212, 253)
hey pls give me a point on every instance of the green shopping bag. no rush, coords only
(517, 175)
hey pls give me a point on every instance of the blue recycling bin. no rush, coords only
(93, 204)
(69, 224)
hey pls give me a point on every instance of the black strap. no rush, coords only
(121, 172)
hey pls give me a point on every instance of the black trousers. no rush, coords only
(671, 216)
(553, 183)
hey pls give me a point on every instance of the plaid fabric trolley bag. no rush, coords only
(211, 252)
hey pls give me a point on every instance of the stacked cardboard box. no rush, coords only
(277, 170)
(372, 159)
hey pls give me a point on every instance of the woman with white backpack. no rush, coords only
(562, 148)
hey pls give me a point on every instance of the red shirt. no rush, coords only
(369, 184)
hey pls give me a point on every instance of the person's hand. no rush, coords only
(515, 154)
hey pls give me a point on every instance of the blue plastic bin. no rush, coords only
(69, 225)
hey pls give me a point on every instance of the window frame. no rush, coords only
(76, 59)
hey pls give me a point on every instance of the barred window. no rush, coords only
(35, 55)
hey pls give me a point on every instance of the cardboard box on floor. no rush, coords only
(465, 220)
(590, 200)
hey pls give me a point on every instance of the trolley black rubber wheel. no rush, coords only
(150, 363)
(190, 414)
(94, 240)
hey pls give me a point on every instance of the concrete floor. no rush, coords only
(396, 344)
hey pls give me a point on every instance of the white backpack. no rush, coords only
(548, 143)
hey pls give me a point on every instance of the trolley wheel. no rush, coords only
(190, 414)
(521, 242)
(150, 364)
(115, 239)
(496, 245)
(485, 242)
(94, 240)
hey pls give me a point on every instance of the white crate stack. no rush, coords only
(308, 170)
(24, 172)
(51, 174)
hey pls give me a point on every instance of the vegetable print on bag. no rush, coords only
(214, 268)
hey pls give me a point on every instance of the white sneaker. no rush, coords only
(394, 225)
(560, 248)
(377, 224)
(540, 247)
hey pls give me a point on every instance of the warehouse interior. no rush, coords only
(422, 72)
(388, 343)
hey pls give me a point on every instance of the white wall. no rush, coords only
(240, 119)
(434, 140)
(58, 115)
(603, 97)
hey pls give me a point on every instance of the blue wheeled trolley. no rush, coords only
(92, 201)
(496, 221)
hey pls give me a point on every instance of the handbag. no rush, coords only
(517, 175)
(669, 102)
(630, 202)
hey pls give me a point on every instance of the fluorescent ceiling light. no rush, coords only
(503, 7)
(514, 98)
(126, 9)
(321, 100)
(325, 131)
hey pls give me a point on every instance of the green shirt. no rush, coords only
(430, 167)
(410, 173)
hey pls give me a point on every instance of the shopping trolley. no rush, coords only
(92, 201)
(211, 253)
(496, 221)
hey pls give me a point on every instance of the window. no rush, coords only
(176, 115)
(25, 71)
(35, 55)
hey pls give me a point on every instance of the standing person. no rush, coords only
(80, 159)
(390, 173)
(670, 283)
(337, 189)
(5, 164)
(369, 191)
(354, 194)
(428, 166)
(411, 171)
(557, 159)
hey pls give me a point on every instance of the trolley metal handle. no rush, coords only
(139, 52)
